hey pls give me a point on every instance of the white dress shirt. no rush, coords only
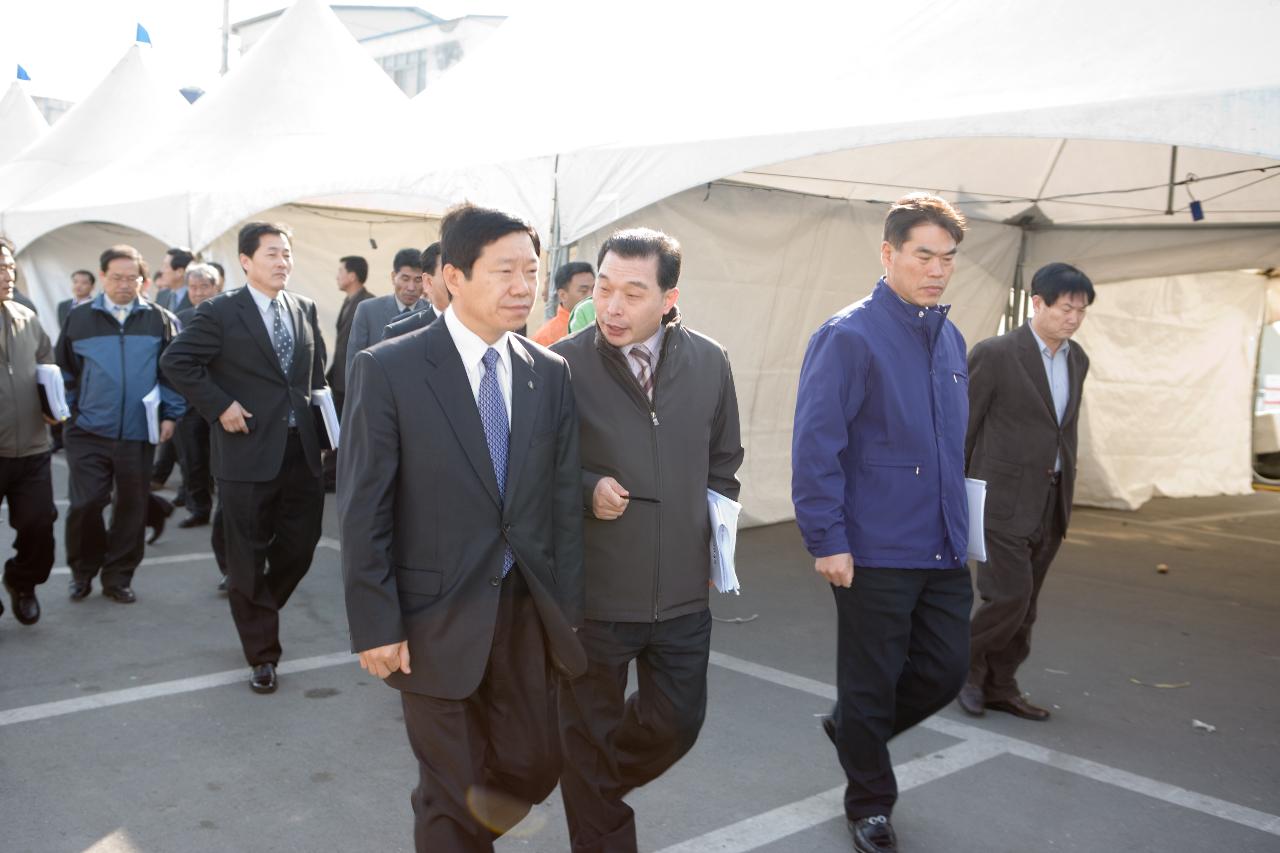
(268, 319)
(472, 349)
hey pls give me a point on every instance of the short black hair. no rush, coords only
(180, 258)
(566, 273)
(252, 233)
(1053, 280)
(467, 229)
(922, 209)
(357, 265)
(411, 258)
(431, 258)
(646, 243)
(92, 280)
(222, 271)
(122, 251)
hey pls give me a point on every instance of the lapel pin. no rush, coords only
(530, 384)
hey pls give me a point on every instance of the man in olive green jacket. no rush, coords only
(25, 479)
(658, 421)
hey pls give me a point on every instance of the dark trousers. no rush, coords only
(902, 652)
(193, 449)
(1009, 584)
(613, 744)
(270, 530)
(97, 464)
(498, 743)
(166, 457)
(27, 485)
(218, 537)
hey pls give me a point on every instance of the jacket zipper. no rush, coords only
(123, 377)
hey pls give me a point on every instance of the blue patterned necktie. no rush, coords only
(282, 343)
(497, 432)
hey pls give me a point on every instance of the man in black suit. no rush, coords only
(373, 315)
(171, 280)
(203, 283)
(460, 499)
(82, 282)
(434, 292)
(1024, 413)
(353, 272)
(250, 360)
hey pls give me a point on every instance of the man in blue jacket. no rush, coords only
(878, 486)
(109, 353)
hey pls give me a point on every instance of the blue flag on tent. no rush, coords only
(143, 36)
(22, 73)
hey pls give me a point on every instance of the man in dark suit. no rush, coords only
(82, 282)
(1024, 412)
(203, 283)
(460, 500)
(373, 315)
(434, 292)
(250, 360)
(171, 280)
(353, 272)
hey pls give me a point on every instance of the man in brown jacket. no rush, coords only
(25, 479)
(1024, 408)
(658, 418)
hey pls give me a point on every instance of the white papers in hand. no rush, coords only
(322, 399)
(976, 492)
(53, 391)
(151, 402)
(724, 541)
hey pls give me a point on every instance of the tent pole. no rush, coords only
(1173, 176)
(556, 255)
(1018, 299)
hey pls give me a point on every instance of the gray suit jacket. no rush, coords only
(413, 322)
(1014, 435)
(423, 526)
(372, 316)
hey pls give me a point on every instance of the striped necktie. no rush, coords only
(644, 372)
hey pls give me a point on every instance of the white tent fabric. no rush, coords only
(295, 120)
(21, 120)
(108, 124)
(1171, 359)
(762, 270)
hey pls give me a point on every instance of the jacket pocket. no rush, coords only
(418, 581)
(1004, 480)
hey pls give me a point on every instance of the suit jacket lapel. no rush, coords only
(301, 331)
(447, 379)
(526, 398)
(1076, 382)
(257, 329)
(1033, 364)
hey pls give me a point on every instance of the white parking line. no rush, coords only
(1153, 788)
(1156, 525)
(152, 561)
(771, 826)
(110, 698)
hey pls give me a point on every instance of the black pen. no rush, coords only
(645, 500)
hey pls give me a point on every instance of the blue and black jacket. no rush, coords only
(109, 368)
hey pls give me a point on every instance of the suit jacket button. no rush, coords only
(495, 581)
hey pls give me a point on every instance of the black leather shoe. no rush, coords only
(193, 521)
(263, 679)
(1020, 707)
(122, 594)
(873, 835)
(26, 609)
(79, 590)
(158, 512)
(829, 729)
(970, 700)
(222, 584)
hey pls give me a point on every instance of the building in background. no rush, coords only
(412, 45)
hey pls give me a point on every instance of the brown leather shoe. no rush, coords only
(1020, 707)
(970, 700)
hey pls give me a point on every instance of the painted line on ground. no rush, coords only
(111, 698)
(1096, 771)
(152, 561)
(330, 543)
(1155, 525)
(1206, 519)
(759, 830)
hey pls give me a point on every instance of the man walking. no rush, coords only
(26, 483)
(353, 272)
(658, 416)
(435, 294)
(574, 283)
(1024, 406)
(459, 495)
(82, 282)
(109, 352)
(878, 486)
(250, 360)
(203, 283)
(373, 315)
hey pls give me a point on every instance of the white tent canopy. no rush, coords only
(293, 121)
(21, 122)
(98, 131)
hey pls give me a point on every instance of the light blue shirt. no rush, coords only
(179, 293)
(1055, 370)
(268, 319)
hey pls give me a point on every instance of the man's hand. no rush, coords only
(50, 421)
(609, 500)
(385, 660)
(837, 569)
(166, 431)
(233, 419)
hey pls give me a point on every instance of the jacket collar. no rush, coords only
(929, 321)
(100, 304)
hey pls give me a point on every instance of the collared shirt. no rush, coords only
(653, 345)
(179, 293)
(472, 349)
(402, 309)
(268, 319)
(120, 312)
(1055, 370)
